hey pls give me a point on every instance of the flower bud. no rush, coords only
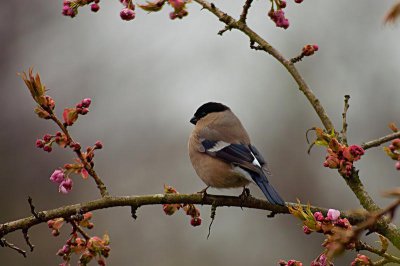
(127, 14)
(318, 216)
(39, 143)
(94, 7)
(195, 221)
(86, 102)
(57, 176)
(333, 214)
(47, 148)
(98, 145)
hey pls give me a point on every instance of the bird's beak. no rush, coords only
(194, 120)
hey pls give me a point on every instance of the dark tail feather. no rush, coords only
(269, 192)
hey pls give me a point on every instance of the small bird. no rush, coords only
(222, 155)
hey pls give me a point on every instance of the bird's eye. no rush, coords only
(203, 114)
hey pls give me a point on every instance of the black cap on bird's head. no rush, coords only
(205, 109)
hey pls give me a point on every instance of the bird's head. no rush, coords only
(207, 108)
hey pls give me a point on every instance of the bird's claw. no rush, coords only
(203, 193)
(244, 195)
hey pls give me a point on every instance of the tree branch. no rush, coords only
(157, 199)
(255, 38)
(379, 141)
(100, 185)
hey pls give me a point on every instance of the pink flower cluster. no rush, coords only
(62, 176)
(342, 157)
(70, 115)
(88, 247)
(394, 152)
(179, 9)
(64, 183)
(48, 140)
(290, 263)
(279, 18)
(278, 15)
(190, 209)
(70, 7)
(128, 12)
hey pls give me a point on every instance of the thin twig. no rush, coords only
(379, 141)
(226, 28)
(213, 213)
(255, 47)
(344, 116)
(77, 228)
(133, 211)
(100, 185)
(297, 58)
(389, 258)
(26, 237)
(245, 10)
(34, 213)
(5, 243)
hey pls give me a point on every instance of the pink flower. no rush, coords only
(94, 7)
(398, 165)
(39, 143)
(127, 14)
(65, 186)
(98, 145)
(298, 1)
(344, 223)
(306, 230)
(318, 216)
(57, 176)
(321, 261)
(333, 214)
(86, 102)
(195, 221)
(278, 17)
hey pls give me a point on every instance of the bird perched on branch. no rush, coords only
(222, 155)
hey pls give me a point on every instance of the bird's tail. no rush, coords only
(269, 192)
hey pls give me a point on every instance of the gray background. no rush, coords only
(146, 79)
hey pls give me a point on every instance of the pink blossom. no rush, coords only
(127, 14)
(195, 221)
(306, 230)
(39, 143)
(94, 7)
(86, 102)
(57, 176)
(65, 186)
(333, 214)
(318, 216)
(278, 17)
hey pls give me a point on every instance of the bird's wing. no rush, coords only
(247, 158)
(236, 154)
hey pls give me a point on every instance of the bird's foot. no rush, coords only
(244, 195)
(203, 193)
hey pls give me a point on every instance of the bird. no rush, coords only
(222, 155)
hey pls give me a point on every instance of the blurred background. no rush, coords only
(146, 79)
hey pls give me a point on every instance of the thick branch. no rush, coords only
(255, 38)
(357, 187)
(157, 199)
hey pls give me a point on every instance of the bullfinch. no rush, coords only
(222, 154)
